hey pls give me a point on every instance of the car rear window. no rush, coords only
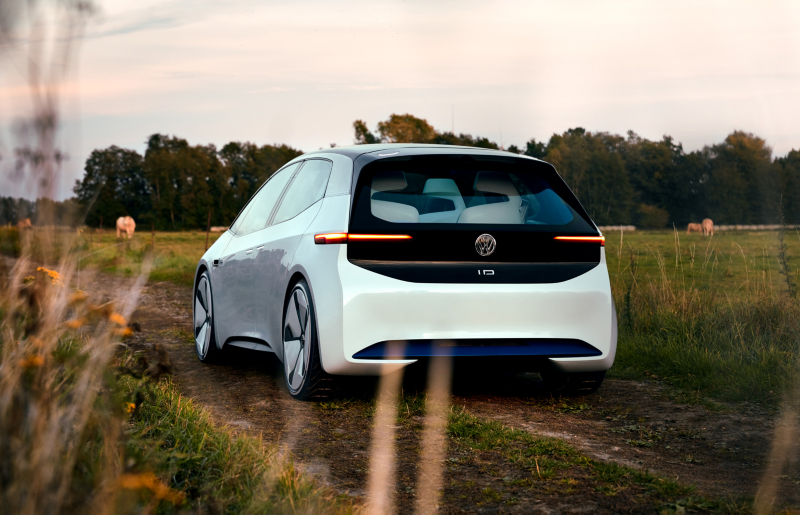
(466, 191)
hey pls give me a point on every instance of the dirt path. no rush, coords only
(722, 453)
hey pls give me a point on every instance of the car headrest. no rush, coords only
(389, 180)
(443, 187)
(495, 182)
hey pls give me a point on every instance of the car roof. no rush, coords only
(353, 151)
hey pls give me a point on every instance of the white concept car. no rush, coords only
(361, 260)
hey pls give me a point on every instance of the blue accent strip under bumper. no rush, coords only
(543, 347)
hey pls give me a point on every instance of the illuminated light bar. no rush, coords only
(333, 237)
(343, 237)
(585, 239)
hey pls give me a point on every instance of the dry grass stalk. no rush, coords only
(782, 457)
(434, 436)
(52, 405)
(55, 408)
(380, 485)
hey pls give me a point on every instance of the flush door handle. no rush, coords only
(260, 248)
(248, 251)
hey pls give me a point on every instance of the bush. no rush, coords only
(652, 217)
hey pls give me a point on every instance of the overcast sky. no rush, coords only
(301, 72)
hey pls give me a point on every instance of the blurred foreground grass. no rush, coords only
(87, 428)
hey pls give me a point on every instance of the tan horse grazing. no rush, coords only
(25, 223)
(708, 227)
(694, 227)
(127, 225)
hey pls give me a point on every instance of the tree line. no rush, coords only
(620, 180)
(13, 210)
(623, 180)
(176, 185)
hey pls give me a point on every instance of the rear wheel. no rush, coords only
(572, 384)
(203, 308)
(302, 367)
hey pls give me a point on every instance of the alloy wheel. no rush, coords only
(297, 327)
(203, 316)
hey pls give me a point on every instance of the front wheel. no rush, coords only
(302, 367)
(572, 384)
(204, 339)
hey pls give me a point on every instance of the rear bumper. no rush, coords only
(478, 348)
(376, 309)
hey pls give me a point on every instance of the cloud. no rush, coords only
(301, 72)
(153, 22)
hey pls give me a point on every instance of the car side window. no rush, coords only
(307, 188)
(260, 207)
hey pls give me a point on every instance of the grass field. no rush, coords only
(709, 315)
(712, 316)
(731, 261)
(175, 257)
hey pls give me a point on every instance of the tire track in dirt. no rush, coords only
(722, 453)
(632, 423)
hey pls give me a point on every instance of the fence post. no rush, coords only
(208, 227)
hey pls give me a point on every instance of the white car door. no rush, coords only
(233, 292)
(277, 244)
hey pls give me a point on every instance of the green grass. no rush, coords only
(175, 257)
(216, 469)
(548, 460)
(710, 316)
(735, 262)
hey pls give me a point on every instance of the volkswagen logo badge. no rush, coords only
(485, 244)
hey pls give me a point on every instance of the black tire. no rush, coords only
(302, 367)
(574, 384)
(203, 320)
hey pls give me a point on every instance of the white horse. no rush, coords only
(708, 227)
(127, 225)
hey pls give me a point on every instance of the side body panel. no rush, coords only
(274, 252)
(317, 263)
(207, 262)
(232, 281)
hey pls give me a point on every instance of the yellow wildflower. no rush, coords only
(151, 482)
(117, 319)
(33, 361)
(104, 310)
(127, 331)
(75, 323)
(29, 279)
(77, 297)
(55, 277)
(130, 407)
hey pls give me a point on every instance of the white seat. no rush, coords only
(508, 212)
(446, 189)
(394, 212)
(498, 213)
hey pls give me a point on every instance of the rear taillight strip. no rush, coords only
(585, 239)
(343, 237)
